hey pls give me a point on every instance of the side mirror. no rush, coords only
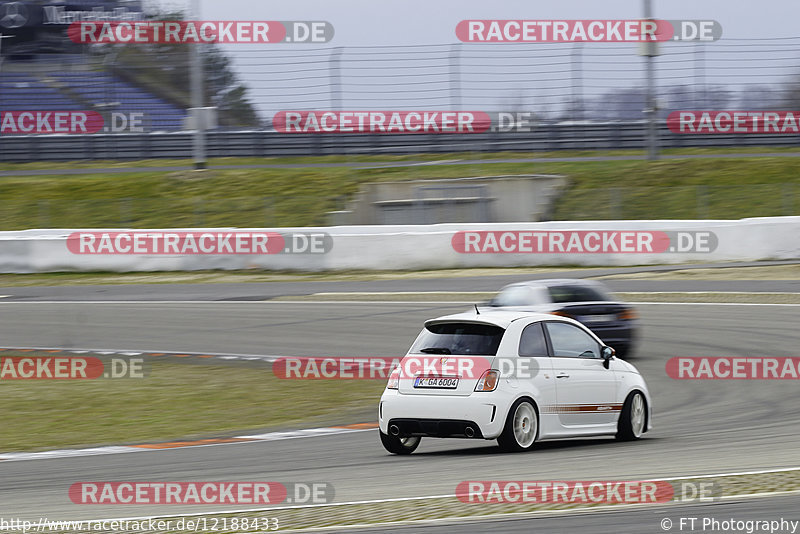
(607, 353)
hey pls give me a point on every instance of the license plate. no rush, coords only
(598, 318)
(437, 382)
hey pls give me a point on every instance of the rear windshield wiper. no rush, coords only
(436, 350)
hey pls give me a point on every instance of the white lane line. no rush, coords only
(65, 453)
(305, 433)
(391, 293)
(224, 302)
(471, 302)
(117, 449)
(348, 302)
(709, 304)
(706, 293)
(454, 495)
(125, 352)
(482, 293)
(528, 515)
(588, 509)
(525, 515)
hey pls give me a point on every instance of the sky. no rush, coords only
(359, 23)
(364, 23)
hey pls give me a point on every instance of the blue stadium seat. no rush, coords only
(120, 96)
(21, 92)
(85, 91)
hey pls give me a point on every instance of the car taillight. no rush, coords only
(488, 381)
(394, 379)
(561, 314)
(628, 314)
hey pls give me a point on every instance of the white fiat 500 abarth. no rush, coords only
(517, 377)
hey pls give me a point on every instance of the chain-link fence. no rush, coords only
(573, 82)
(557, 82)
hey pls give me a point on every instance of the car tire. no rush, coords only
(398, 445)
(521, 429)
(633, 419)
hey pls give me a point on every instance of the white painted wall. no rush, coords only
(415, 247)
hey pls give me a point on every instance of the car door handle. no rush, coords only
(562, 375)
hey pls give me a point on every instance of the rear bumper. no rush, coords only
(435, 428)
(442, 415)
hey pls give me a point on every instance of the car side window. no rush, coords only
(532, 342)
(569, 341)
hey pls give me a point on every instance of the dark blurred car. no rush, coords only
(586, 301)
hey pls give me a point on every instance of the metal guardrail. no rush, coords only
(178, 145)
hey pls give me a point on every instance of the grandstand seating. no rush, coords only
(22, 92)
(86, 90)
(112, 92)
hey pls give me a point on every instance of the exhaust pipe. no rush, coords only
(469, 432)
(394, 430)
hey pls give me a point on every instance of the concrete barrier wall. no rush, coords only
(443, 246)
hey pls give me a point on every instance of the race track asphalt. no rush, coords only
(700, 427)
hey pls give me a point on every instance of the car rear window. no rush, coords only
(577, 294)
(459, 338)
(515, 296)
